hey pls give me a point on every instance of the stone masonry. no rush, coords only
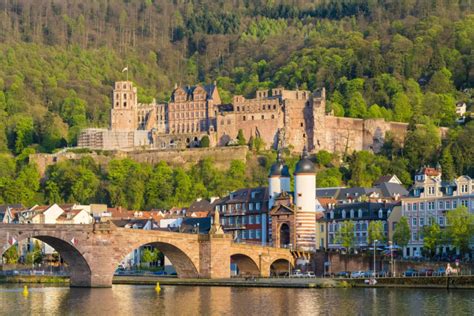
(93, 252)
(290, 118)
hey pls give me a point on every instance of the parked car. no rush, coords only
(426, 272)
(357, 274)
(310, 274)
(297, 274)
(440, 272)
(410, 273)
(343, 274)
(369, 274)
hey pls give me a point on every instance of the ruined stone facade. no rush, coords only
(289, 118)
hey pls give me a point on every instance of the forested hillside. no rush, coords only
(402, 60)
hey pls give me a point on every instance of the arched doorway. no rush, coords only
(243, 265)
(284, 235)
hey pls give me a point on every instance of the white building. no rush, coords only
(431, 199)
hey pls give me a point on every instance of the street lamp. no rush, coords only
(391, 257)
(375, 241)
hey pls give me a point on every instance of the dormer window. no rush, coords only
(360, 213)
(331, 215)
(380, 213)
(352, 214)
(343, 214)
(431, 190)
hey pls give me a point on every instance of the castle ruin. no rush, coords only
(289, 118)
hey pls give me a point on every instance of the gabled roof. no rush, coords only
(389, 189)
(202, 205)
(281, 209)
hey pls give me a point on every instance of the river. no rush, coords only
(184, 300)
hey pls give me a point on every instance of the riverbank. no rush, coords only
(454, 282)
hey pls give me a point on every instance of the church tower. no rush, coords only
(305, 203)
(124, 107)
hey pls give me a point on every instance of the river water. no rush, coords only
(184, 300)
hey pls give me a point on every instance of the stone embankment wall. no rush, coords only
(342, 262)
(222, 156)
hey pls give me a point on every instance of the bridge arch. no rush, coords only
(246, 266)
(182, 262)
(280, 266)
(80, 271)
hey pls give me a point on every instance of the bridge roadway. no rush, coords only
(93, 252)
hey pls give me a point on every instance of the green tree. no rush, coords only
(159, 187)
(401, 234)
(149, 256)
(205, 142)
(35, 255)
(432, 237)
(345, 235)
(421, 145)
(460, 227)
(375, 231)
(402, 110)
(447, 165)
(241, 138)
(11, 256)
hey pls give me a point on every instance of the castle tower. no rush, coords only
(278, 180)
(319, 117)
(124, 107)
(305, 203)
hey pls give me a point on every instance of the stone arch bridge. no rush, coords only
(93, 252)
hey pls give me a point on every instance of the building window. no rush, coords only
(250, 206)
(448, 205)
(331, 215)
(431, 190)
(244, 220)
(251, 234)
(422, 221)
(244, 118)
(441, 221)
(360, 213)
(422, 206)
(431, 206)
(455, 204)
(322, 228)
(414, 206)
(257, 234)
(440, 205)
(343, 214)
(263, 117)
(257, 206)
(464, 188)
(352, 213)
(409, 207)
(413, 223)
(380, 213)
(301, 124)
(251, 219)
(257, 219)
(465, 203)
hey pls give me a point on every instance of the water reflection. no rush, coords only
(143, 300)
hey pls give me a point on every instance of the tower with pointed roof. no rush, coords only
(278, 180)
(305, 202)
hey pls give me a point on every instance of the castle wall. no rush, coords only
(222, 156)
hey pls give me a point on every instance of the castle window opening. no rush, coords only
(125, 96)
(273, 116)
(238, 108)
(124, 86)
(252, 118)
(274, 106)
(301, 124)
(263, 117)
(244, 118)
(125, 104)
